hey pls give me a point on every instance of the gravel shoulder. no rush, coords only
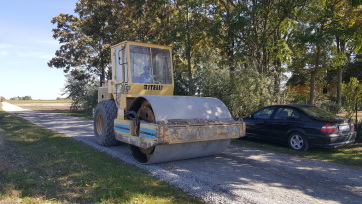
(239, 175)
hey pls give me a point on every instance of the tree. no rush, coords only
(85, 40)
(21, 98)
(329, 28)
(228, 23)
(68, 34)
(345, 26)
(314, 42)
(256, 35)
(352, 92)
(81, 88)
(258, 38)
(189, 36)
(353, 69)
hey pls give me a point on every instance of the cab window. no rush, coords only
(150, 65)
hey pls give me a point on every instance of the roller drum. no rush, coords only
(178, 137)
(174, 152)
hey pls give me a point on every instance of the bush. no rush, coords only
(82, 89)
(215, 83)
(91, 99)
(332, 107)
(248, 92)
(300, 98)
(352, 92)
(21, 98)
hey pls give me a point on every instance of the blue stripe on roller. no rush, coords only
(148, 133)
(122, 128)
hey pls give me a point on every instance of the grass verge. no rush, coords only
(78, 114)
(350, 154)
(40, 166)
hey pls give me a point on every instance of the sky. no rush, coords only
(26, 45)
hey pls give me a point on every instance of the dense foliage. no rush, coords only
(240, 51)
(82, 88)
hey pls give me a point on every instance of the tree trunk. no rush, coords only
(339, 85)
(312, 87)
(230, 58)
(189, 70)
(313, 75)
(188, 55)
(340, 49)
(230, 48)
(102, 77)
(277, 67)
(277, 77)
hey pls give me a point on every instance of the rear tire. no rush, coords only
(104, 115)
(298, 142)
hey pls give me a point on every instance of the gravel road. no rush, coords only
(239, 175)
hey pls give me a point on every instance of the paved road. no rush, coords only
(239, 175)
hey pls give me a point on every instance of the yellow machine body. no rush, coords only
(159, 126)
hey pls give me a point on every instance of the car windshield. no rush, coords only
(318, 113)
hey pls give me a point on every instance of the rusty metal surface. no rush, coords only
(192, 133)
(151, 134)
(148, 133)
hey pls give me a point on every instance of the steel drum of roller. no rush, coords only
(187, 107)
(174, 152)
(162, 109)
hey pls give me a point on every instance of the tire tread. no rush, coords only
(108, 110)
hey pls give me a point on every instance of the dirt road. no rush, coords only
(239, 175)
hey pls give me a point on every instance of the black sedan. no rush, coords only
(301, 126)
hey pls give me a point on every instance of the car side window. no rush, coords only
(286, 113)
(264, 113)
(295, 115)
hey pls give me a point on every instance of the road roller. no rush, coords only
(137, 107)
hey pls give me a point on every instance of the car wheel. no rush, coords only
(298, 142)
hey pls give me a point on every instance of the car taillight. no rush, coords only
(352, 126)
(329, 128)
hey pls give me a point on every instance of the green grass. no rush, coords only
(350, 154)
(78, 114)
(40, 166)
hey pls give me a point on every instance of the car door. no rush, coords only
(255, 123)
(284, 119)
